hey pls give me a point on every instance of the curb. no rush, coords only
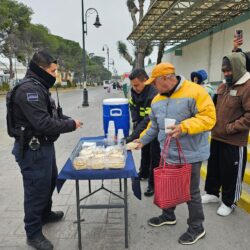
(244, 201)
(247, 176)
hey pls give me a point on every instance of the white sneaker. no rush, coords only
(207, 198)
(224, 210)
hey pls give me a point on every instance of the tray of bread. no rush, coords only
(99, 155)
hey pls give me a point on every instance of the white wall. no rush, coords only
(208, 52)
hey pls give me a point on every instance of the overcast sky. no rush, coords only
(63, 18)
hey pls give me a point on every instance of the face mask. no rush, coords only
(49, 80)
(229, 80)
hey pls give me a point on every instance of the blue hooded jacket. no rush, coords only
(200, 74)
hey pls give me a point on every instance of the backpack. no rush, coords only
(12, 131)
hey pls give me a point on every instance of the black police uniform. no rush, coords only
(140, 107)
(36, 114)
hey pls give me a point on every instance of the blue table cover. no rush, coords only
(69, 173)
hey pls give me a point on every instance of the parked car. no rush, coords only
(106, 84)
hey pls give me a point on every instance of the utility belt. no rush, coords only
(30, 139)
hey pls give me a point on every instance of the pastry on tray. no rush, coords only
(131, 145)
(98, 164)
(116, 164)
(115, 161)
(80, 163)
(86, 153)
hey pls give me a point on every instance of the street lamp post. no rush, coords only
(97, 24)
(105, 46)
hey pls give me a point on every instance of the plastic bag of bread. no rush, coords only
(80, 163)
(97, 162)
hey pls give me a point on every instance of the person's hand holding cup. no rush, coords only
(168, 123)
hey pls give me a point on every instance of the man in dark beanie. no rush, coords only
(228, 152)
(35, 123)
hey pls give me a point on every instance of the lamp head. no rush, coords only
(97, 23)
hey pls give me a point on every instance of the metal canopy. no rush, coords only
(177, 21)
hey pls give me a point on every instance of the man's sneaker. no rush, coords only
(53, 217)
(160, 221)
(40, 242)
(191, 237)
(207, 198)
(224, 210)
(149, 192)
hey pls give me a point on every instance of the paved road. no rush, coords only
(103, 229)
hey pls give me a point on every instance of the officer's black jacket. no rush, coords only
(140, 106)
(34, 110)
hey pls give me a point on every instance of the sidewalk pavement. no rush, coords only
(103, 229)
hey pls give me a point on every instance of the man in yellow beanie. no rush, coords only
(193, 111)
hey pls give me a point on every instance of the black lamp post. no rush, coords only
(105, 46)
(111, 62)
(97, 24)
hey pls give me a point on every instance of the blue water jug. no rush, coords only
(117, 110)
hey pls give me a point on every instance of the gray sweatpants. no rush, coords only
(196, 216)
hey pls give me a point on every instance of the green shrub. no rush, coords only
(5, 86)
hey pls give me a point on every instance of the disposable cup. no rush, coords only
(169, 122)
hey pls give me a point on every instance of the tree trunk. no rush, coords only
(133, 17)
(140, 55)
(141, 6)
(12, 75)
(160, 52)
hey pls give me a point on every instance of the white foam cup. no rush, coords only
(169, 122)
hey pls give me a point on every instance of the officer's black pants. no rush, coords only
(155, 153)
(39, 173)
(150, 157)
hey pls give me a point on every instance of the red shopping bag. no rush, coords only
(172, 181)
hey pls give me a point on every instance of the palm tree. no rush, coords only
(133, 10)
(123, 51)
(142, 50)
(160, 52)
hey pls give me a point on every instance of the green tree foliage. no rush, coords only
(96, 71)
(14, 19)
(19, 38)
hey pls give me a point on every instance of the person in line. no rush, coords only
(200, 77)
(140, 107)
(193, 109)
(227, 161)
(35, 123)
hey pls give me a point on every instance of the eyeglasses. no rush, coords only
(166, 76)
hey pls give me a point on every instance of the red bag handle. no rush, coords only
(165, 151)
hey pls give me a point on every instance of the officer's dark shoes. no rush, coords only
(191, 236)
(40, 242)
(53, 217)
(149, 192)
(160, 221)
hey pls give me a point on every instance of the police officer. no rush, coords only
(140, 107)
(36, 125)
